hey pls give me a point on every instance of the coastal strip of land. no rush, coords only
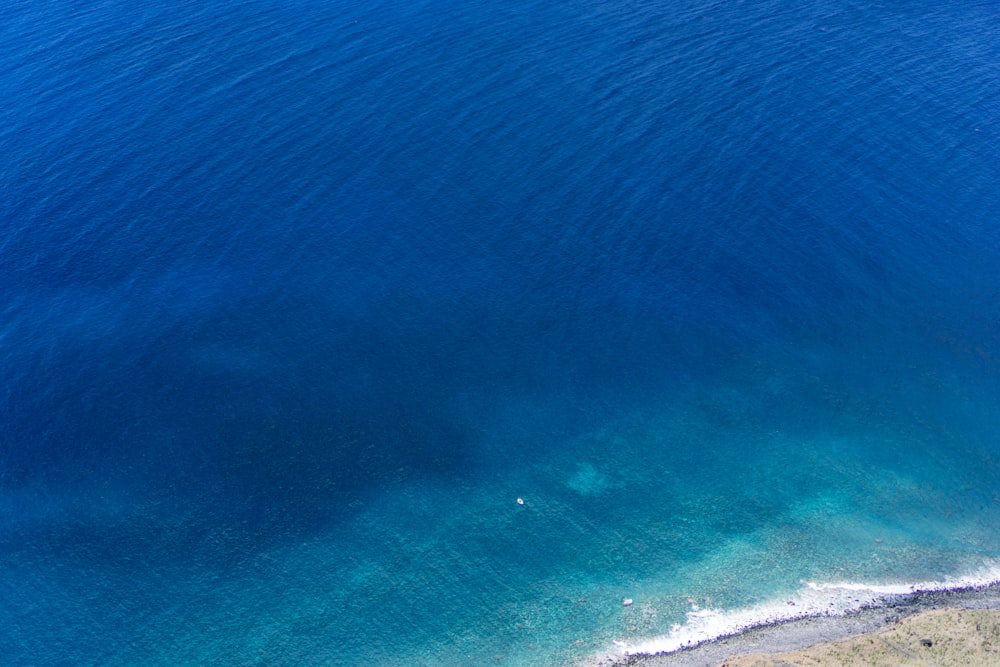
(953, 627)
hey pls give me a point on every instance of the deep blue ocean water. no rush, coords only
(298, 298)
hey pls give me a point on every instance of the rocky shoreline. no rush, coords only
(799, 634)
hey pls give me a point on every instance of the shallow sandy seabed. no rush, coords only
(961, 626)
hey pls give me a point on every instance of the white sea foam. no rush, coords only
(812, 599)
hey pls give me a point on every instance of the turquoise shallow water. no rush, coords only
(297, 301)
(723, 496)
